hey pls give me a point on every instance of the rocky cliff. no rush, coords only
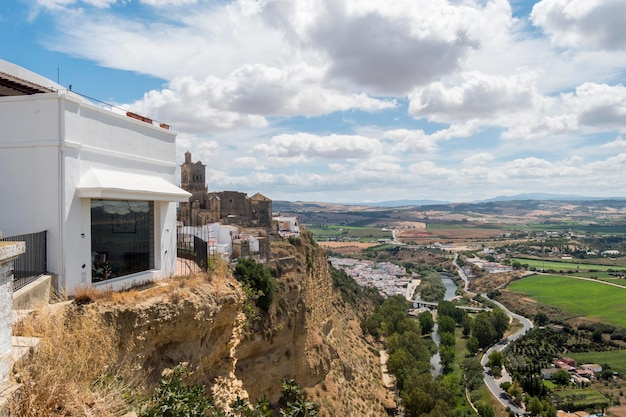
(309, 335)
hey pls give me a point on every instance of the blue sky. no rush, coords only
(355, 100)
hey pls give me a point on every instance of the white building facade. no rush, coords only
(99, 182)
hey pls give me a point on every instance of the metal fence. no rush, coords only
(34, 262)
(195, 247)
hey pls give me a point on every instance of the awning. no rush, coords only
(123, 186)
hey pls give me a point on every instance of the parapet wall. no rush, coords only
(8, 252)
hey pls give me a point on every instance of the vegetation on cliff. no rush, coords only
(175, 398)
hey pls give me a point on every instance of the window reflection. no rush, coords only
(122, 238)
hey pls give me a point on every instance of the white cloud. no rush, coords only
(419, 142)
(475, 95)
(478, 159)
(599, 105)
(583, 23)
(617, 143)
(254, 87)
(305, 146)
(166, 3)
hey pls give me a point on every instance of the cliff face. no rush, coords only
(196, 322)
(312, 337)
(308, 335)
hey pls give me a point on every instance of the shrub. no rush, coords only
(258, 278)
(173, 398)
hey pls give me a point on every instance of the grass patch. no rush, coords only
(615, 359)
(581, 398)
(566, 266)
(74, 371)
(576, 297)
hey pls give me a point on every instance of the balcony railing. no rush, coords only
(31, 264)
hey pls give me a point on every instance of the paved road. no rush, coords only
(461, 273)
(490, 381)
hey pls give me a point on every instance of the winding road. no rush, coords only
(490, 381)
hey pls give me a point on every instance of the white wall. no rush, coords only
(47, 143)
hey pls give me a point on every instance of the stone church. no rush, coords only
(227, 207)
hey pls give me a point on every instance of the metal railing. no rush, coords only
(31, 264)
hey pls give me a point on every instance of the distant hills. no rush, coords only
(404, 203)
(517, 197)
(528, 197)
(547, 196)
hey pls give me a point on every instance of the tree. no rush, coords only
(426, 322)
(482, 329)
(541, 318)
(467, 325)
(446, 324)
(500, 322)
(496, 359)
(446, 354)
(472, 345)
(534, 406)
(447, 339)
(515, 391)
(561, 377)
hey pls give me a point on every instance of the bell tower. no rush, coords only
(193, 175)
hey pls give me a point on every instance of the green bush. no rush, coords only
(173, 398)
(258, 278)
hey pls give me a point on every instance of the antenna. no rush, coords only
(58, 74)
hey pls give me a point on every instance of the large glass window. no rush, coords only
(122, 238)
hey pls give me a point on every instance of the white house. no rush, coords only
(99, 180)
(286, 226)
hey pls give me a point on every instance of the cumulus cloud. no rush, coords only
(418, 141)
(479, 159)
(599, 105)
(254, 87)
(617, 143)
(246, 98)
(582, 23)
(475, 95)
(306, 146)
(385, 55)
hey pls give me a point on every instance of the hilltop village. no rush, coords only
(232, 224)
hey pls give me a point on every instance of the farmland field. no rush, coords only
(582, 398)
(362, 234)
(616, 359)
(591, 299)
(558, 266)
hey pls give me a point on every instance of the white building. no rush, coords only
(287, 226)
(99, 180)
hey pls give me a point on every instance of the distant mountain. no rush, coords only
(548, 196)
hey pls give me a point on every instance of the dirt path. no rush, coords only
(388, 380)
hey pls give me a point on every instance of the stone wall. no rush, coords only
(8, 252)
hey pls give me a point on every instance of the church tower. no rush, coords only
(193, 175)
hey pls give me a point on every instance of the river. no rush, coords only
(435, 360)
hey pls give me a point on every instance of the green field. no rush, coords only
(602, 276)
(598, 229)
(616, 359)
(582, 398)
(576, 297)
(565, 266)
(361, 234)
